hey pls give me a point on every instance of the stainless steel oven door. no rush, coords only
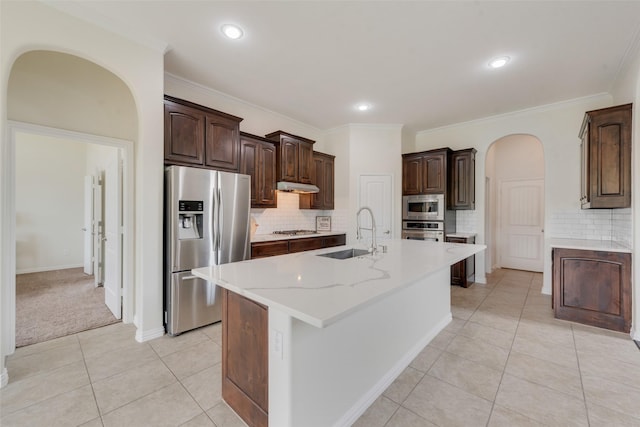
(429, 207)
(433, 236)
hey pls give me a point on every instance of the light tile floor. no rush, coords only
(503, 361)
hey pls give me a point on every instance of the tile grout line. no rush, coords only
(584, 395)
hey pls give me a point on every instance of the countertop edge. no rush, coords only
(586, 244)
(259, 238)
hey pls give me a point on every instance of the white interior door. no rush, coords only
(375, 192)
(521, 224)
(87, 228)
(98, 232)
(113, 236)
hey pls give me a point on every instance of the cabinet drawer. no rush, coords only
(265, 249)
(308, 244)
(338, 240)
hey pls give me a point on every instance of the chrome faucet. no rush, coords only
(374, 246)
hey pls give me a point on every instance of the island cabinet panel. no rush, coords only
(323, 178)
(195, 135)
(258, 159)
(592, 287)
(245, 362)
(462, 191)
(265, 249)
(294, 157)
(425, 172)
(606, 158)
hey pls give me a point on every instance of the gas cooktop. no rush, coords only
(294, 232)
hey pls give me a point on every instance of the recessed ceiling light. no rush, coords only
(232, 31)
(499, 62)
(363, 107)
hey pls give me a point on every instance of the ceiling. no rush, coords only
(423, 64)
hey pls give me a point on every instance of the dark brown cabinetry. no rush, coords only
(463, 273)
(425, 172)
(199, 136)
(258, 159)
(245, 358)
(282, 247)
(295, 157)
(323, 178)
(606, 158)
(592, 287)
(462, 189)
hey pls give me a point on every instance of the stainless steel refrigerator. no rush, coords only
(206, 221)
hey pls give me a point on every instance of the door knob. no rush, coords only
(387, 232)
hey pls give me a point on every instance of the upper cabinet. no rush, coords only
(606, 158)
(425, 172)
(199, 136)
(295, 157)
(462, 189)
(323, 178)
(258, 159)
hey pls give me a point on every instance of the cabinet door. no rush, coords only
(222, 144)
(592, 287)
(610, 158)
(462, 180)
(584, 167)
(245, 358)
(305, 163)
(288, 159)
(249, 165)
(412, 175)
(434, 175)
(328, 187)
(337, 240)
(267, 176)
(183, 134)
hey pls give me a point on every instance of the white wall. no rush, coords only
(27, 26)
(556, 126)
(627, 89)
(375, 149)
(49, 203)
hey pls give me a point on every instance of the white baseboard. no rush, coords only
(4, 378)
(356, 411)
(142, 336)
(50, 268)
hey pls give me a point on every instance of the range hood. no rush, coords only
(296, 187)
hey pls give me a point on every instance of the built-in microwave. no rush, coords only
(424, 207)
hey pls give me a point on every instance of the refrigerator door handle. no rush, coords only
(190, 277)
(216, 226)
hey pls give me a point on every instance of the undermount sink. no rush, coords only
(345, 253)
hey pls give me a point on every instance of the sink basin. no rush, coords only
(345, 253)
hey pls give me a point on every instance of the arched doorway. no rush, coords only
(60, 95)
(514, 224)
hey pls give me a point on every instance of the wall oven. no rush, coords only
(423, 207)
(423, 230)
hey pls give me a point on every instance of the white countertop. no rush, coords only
(591, 245)
(274, 237)
(320, 291)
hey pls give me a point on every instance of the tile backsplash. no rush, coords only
(288, 216)
(467, 221)
(593, 224)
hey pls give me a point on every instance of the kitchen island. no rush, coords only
(339, 331)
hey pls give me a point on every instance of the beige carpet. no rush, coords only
(56, 303)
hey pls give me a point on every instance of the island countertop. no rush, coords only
(319, 290)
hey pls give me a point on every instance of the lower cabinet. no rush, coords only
(592, 287)
(463, 273)
(245, 358)
(282, 247)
